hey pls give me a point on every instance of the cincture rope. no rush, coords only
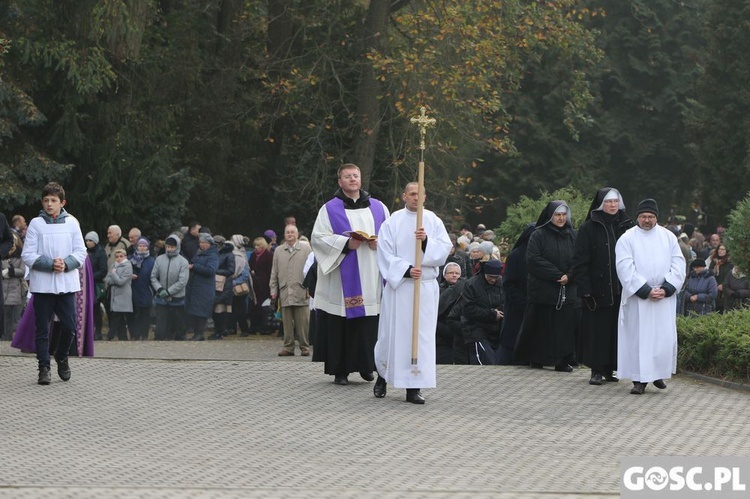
(560, 298)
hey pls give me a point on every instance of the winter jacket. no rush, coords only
(14, 284)
(449, 325)
(98, 262)
(199, 295)
(120, 280)
(170, 273)
(227, 267)
(143, 294)
(479, 302)
(703, 286)
(736, 291)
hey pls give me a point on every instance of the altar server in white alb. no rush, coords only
(651, 268)
(396, 258)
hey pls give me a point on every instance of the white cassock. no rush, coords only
(647, 330)
(396, 252)
(328, 248)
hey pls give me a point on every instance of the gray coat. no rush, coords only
(170, 272)
(120, 278)
(14, 286)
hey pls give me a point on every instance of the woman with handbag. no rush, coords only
(241, 290)
(224, 296)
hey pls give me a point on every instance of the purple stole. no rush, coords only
(350, 279)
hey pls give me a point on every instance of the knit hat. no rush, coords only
(143, 240)
(698, 262)
(92, 236)
(270, 234)
(647, 206)
(220, 240)
(492, 267)
(474, 245)
(206, 237)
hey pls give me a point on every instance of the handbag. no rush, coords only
(241, 289)
(220, 281)
(100, 291)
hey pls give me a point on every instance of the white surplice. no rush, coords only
(396, 252)
(328, 248)
(647, 330)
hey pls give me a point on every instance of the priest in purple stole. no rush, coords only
(349, 287)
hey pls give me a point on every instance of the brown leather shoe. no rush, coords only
(305, 353)
(286, 353)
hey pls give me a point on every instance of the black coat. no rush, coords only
(594, 270)
(549, 256)
(226, 268)
(448, 323)
(98, 262)
(479, 302)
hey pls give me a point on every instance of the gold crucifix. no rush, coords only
(423, 122)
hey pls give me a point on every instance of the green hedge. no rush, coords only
(716, 345)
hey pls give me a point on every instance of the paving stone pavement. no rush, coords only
(230, 419)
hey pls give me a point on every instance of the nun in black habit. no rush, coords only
(514, 285)
(596, 279)
(547, 336)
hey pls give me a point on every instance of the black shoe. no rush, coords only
(534, 365)
(44, 376)
(611, 377)
(341, 380)
(596, 379)
(245, 334)
(638, 388)
(414, 396)
(660, 384)
(564, 368)
(367, 376)
(380, 387)
(63, 369)
(216, 336)
(198, 338)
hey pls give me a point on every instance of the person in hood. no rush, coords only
(169, 278)
(514, 292)
(596, 279)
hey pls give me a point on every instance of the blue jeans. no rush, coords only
(63, 306)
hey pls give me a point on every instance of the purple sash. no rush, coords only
(350, 279)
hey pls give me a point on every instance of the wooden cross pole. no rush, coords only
(422, 123)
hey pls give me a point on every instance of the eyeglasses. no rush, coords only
(351, 176)
(647, 217)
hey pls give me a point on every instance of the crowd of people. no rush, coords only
(558, 298)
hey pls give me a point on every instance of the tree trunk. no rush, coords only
(368, 107)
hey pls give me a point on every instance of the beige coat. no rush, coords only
(287, 274)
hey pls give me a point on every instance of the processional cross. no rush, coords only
(422, 122)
